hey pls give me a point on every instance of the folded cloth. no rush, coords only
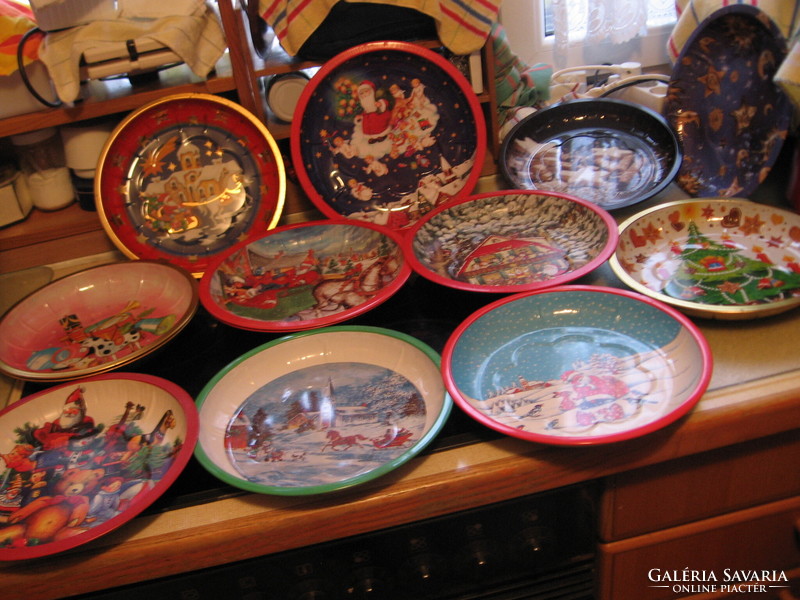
(462, 25)
(155, 9)
(16, 20)
(197, 39)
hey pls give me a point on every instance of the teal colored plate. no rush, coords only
(576, 365)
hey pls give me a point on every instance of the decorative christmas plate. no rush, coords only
(82, 459)
(576, 365)
(386, 131)
(96, 320)
(321, 410)
(304, 276)
(186, 177)
(723, 103)
(726, 258)
(610, 152)
(511, 241)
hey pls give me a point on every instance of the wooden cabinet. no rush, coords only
(732, 510)
(241, 72)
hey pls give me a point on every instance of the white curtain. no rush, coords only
(604, 21)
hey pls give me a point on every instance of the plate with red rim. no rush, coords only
(96, 320)
(305, 275)
(386, 131)
(186, 177)
(511, 241)
(721, 258)
(84, 458)
(576, 365)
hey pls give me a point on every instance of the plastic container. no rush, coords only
(41, 160)
(283, 92)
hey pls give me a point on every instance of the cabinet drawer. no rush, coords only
(763, 538)
(700, 486)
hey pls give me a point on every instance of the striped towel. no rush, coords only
(462, 25)
(518, 84)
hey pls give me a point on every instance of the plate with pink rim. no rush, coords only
(576, 365)
(724, 258)
(96, 320)
(386, 131)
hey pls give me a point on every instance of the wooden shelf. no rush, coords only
(103, 98)
(241, 71)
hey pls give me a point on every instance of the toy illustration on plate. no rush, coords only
(617, 389)
(317, 277)
(190, 188)
(324, 424)
(61, 478)
(111, 338)
(391, 143)
(737, 265)
(536, 239)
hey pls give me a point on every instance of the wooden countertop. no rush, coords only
(754, 393)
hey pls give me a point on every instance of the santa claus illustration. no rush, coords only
(73, 422)
(376, 118)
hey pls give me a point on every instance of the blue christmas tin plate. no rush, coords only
(730, 116)
(386, 131)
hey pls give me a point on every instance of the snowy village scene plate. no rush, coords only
(305, 276)
(730, 116)
(725, 258)
(80, 459)
(386, 131)
(576, 365)
(96, 320)
(613, 153)
(186, 177)
(321, 410)
(513, 241)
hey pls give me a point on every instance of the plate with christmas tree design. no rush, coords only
(724, 258)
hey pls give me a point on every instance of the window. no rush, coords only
(530, 26)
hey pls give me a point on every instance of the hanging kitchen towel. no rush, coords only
(518, 85)
(197, 39)
(462, 25)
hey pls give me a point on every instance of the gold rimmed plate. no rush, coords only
(725, 258)
(96, 320)
(186, 177)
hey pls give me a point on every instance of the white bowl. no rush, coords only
(322, 410)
